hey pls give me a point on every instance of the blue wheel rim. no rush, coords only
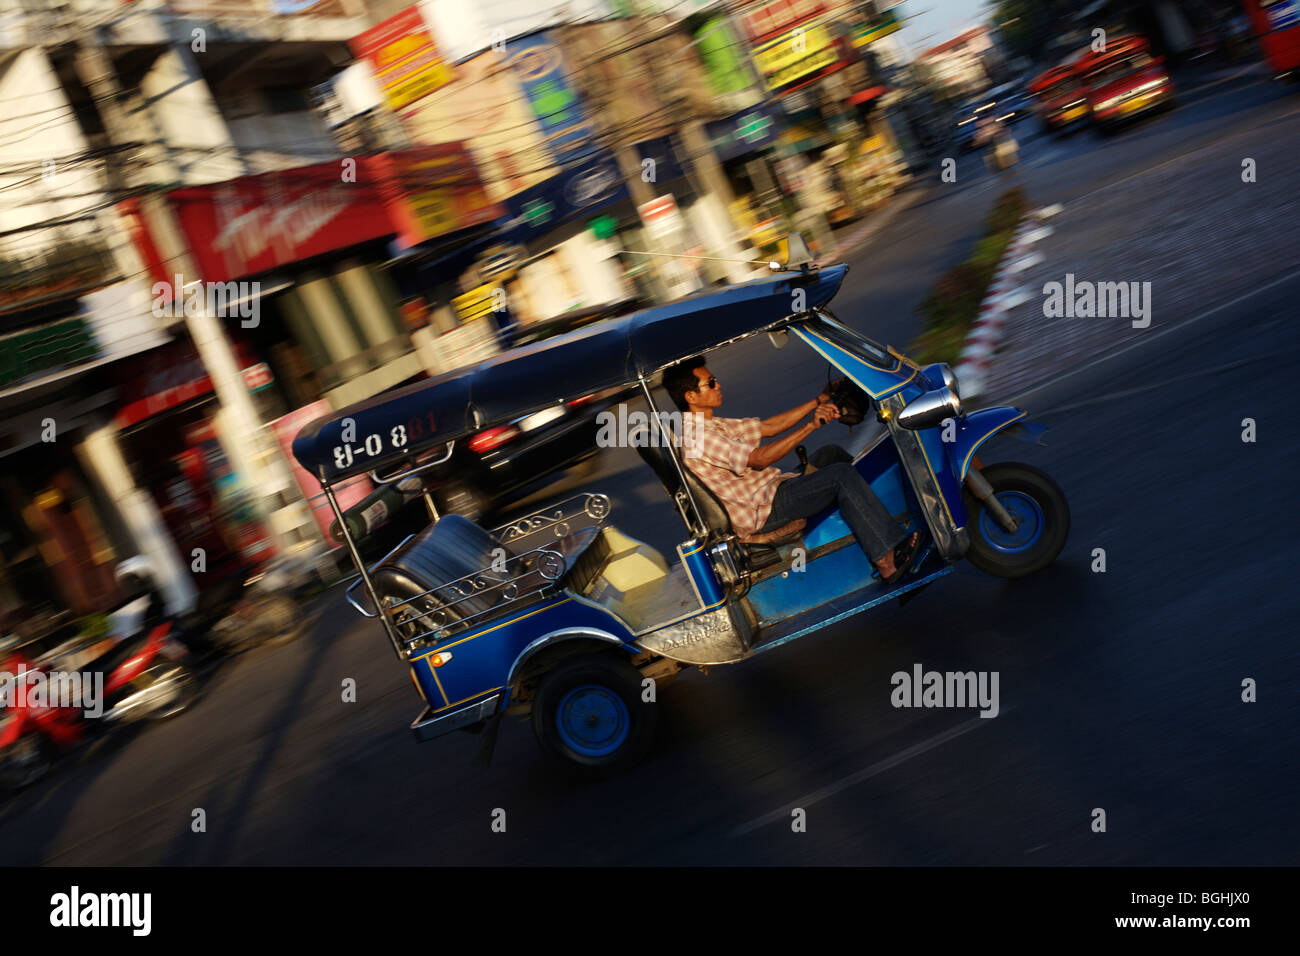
(593, 720)
(1027, 512)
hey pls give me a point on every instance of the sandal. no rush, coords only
(903, 556)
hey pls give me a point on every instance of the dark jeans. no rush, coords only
(837, 482)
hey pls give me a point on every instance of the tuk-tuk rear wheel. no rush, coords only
(588, 715)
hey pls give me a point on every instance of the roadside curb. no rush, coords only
(1004, 294)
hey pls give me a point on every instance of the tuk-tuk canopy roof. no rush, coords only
(398, 425)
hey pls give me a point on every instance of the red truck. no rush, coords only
(1125, 80)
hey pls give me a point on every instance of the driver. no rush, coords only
(728, 456)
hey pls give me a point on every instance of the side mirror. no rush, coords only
(779, 339)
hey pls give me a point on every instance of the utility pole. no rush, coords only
(244, 436)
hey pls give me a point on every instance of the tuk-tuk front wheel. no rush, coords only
(589, 717)
(1042, 518)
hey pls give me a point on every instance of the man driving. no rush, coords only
(727, 454)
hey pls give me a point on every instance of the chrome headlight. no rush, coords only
(930, 409)
(950, 380)
(944, 373)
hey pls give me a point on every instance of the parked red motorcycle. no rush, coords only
(53, 702)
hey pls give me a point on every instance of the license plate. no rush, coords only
(538, 419)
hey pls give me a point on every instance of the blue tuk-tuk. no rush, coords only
(561, 616)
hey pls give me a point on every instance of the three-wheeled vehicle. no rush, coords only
(561, 616)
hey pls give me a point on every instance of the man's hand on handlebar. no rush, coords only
(824, 413)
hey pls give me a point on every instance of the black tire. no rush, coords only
(1026, 487)
(611, 678)
(284, 619)
(24, 762)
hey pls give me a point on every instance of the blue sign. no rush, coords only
(575, 193)
(538, 64)
(1284, 14)
(664, 165)
(745, 132)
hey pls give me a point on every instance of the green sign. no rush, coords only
(65, 343)
(603, 227)
(753, 127)
(538, 211)
(718, 51)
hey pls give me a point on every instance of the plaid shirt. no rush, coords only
(717, 451)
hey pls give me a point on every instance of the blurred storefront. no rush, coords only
(167, 426)
(836, 153)
(66, 519)
(308, 303)
(56, 552)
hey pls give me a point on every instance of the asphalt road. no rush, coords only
(1118, 690)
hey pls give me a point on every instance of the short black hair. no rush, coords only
(681, 378)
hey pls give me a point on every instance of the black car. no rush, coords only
(501, 463)
(517, 457)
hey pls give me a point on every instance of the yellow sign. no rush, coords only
(404, 58)
(474, 304)
(796, 54)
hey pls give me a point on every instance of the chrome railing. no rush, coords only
(546, 565)
(586, 510)
(361, 580)
(535, 532)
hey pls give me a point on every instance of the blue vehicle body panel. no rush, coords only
(877, 381)
(481, 661)
(828, 577)
(973, 430)
(848, 605)
(701, 574)
(880, 466)
(936, 452)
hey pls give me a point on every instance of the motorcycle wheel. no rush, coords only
(589, 717)
(1037, 502)
(187, 690)
(24, 762)
(282, 619)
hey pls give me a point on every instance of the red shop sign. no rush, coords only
(166, 378)
(249, 225)
(777, 16)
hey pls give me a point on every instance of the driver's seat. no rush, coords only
(760, 550)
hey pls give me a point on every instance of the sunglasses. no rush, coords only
(711, 383)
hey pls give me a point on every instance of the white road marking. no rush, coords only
(866, 773)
